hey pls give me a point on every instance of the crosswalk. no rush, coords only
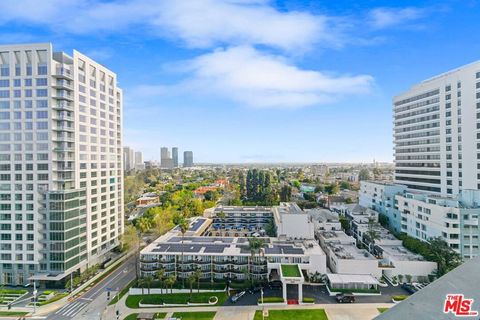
(72, 309)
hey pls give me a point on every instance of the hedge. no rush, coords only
(271, 300)
(308, 300)
(400, 297)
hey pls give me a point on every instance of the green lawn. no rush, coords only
(382, 310)
(301, 314)
(201, 315)
(290, 270)
(180, 298)
(133, 316)
(12, 314)
(56, 297)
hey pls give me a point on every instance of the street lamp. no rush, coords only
(263, 307)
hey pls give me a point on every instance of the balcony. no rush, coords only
(62, 105)
(63, 73)
(63, 95)
(63, 84)
(63, 128)
(62, 117)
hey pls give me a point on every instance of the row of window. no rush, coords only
(39, 82)
(27, 93)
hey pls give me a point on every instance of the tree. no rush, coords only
(344, 185)
(286, 193)
(348, 200)
(148, 282)
(183, 225)
(255, 245)
(131, 240)
(400, 278)
(345, 224)
(372, 232)
(332, 188)
(408, 277)
(319, 188)
(170, 281)
(363, 175)
(271, 229)
(191, 280)
(161, 278)
(198, 276)
(144, 224)
(141, 283)
(445, 257)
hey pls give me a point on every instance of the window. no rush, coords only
(41, 82)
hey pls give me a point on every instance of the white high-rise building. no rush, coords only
(128, 159)
(437, 133)
(61, 180)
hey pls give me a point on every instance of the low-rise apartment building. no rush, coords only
(221, 258)
(425, 216)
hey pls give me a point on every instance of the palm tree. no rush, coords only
(141, 282)
(161, 277)
(148, 282)
(170, 281)
(191, 280)
(183, 225)
(255, 245)
(372, 233)
(144, 224)
(198, 276)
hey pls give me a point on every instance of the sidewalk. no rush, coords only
(354, 311)
(51, 307)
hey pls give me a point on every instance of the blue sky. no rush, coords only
(258, 80)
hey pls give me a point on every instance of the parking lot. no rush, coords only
(319, 293)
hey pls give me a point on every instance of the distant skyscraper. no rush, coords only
(166, 161)
(139, 165)
(188, 159)
(175, 157)
(61, 167)
(126, 158)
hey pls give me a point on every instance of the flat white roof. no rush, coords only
(351, 278)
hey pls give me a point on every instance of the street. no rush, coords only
(92, 304)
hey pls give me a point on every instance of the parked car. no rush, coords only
(345, 298)
(275, 285)
(237, 296)
(410, 288)
(255, 289)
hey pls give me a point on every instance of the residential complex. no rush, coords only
(437, 164)
(218, 244)
(175, 157)
(128, 159)
(139, 164)
(61, 162)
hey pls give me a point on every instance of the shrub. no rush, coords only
(400, 297)
(271, 300)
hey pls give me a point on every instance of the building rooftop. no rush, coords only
(400, 253)
(336, 236)
(322, 215)
(349, 251)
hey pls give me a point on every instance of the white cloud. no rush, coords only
(262, 80)
(205, 23)
(389, 17)
(198, 23)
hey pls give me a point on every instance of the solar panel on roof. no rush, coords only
(214, 248)
(196, 225)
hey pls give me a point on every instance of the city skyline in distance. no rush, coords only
(166, 71)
